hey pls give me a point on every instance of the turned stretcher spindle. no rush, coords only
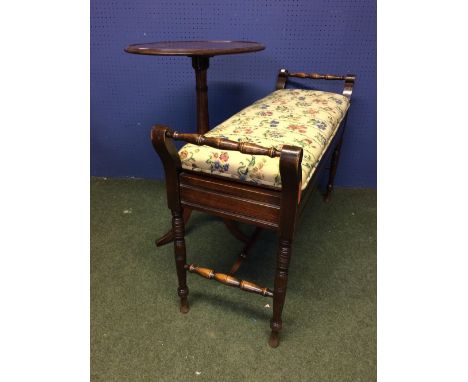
(317, 76)
(224, 144)
(229, 280)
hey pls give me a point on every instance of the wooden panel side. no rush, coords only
(229, 206)
(230, 187)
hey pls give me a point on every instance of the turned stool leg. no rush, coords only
(281, 281)
(334, 165)
(291, 175)
(164, 146)
(180, 259)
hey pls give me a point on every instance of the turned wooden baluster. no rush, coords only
(229, 280)
(224, 144)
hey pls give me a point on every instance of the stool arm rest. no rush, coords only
(349, 79)
(224, 144)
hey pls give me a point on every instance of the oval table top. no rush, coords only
(194, 48)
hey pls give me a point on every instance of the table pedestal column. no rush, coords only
(201, 64)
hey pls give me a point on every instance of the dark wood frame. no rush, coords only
(239, 201)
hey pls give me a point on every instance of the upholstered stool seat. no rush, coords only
(304, 118)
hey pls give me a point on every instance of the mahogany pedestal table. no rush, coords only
(200, 53)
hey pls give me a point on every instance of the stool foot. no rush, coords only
(184, 305)
(274, 339)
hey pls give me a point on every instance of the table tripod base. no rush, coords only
(168, 237)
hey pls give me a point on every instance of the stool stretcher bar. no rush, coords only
(247, 286)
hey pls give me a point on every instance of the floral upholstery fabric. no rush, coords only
(304, 118)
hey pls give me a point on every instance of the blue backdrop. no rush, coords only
(130, 93)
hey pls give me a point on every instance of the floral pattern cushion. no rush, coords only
(305, 118)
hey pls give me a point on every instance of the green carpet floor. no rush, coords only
(138, 334)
